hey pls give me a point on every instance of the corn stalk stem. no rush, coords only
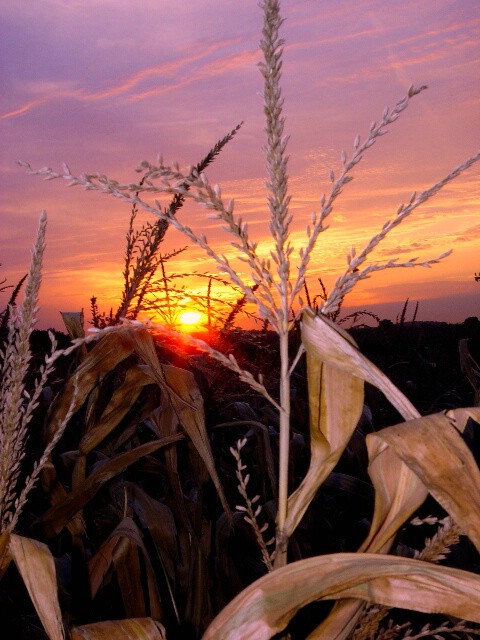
(282, 540)
(278, 201)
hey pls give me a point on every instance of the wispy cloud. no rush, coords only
(399, 250)
(164, 73)
(468, 235)
(209, 70)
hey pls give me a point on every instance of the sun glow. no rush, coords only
(190, 319)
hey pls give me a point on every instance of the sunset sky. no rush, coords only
(104, 84)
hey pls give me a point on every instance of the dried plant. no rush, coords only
(368, 627)
(4, 286)
(470, 369)
(443, 631)
(251, 508)
(404, 459)
(142, 257)
(168, 298)
(440, 632)
(17, 402)
(277, 289)
(439, 546)
(436, 549)
(5, 314)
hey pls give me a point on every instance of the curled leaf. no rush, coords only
(130, 629)
(266, 606)
(36, 566)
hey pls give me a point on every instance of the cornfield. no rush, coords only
(155, 485)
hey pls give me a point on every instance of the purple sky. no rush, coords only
(104, 84)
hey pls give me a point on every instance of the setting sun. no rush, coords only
(190, 317)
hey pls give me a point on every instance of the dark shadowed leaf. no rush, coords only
(53, 521)
(120, 552)
(102, 359)
(187, 402)
(120, 403)
(158, 519)
(5, 557)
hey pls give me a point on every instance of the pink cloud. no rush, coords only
(168, 69)
(209, 70)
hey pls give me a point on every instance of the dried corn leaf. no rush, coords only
(73, 321)
(438, 461)
(99, 362)
(335, 371)
(398, 493)
(336, 403)
(53, 520)
(187, 402)
(265, 607)
(327, 342)
(265, 459)
(36, 566)
(129, 580)
(199, 605)
(131, 629)
(111, 556)
(56, 492)
(229, 581)
(470, 368)
(141, 414)
(401, 489)
(434, 450)
(120, 552)
(100, 565)
(159, 520)
(166, 422)
(5, 557)
(120, 403)
(341, 621)
(102, 359)
(145, 347)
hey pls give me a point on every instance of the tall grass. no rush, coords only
(18, 402)
(404, 460)
(143, 257)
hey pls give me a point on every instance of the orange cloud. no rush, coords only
(19, 111)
